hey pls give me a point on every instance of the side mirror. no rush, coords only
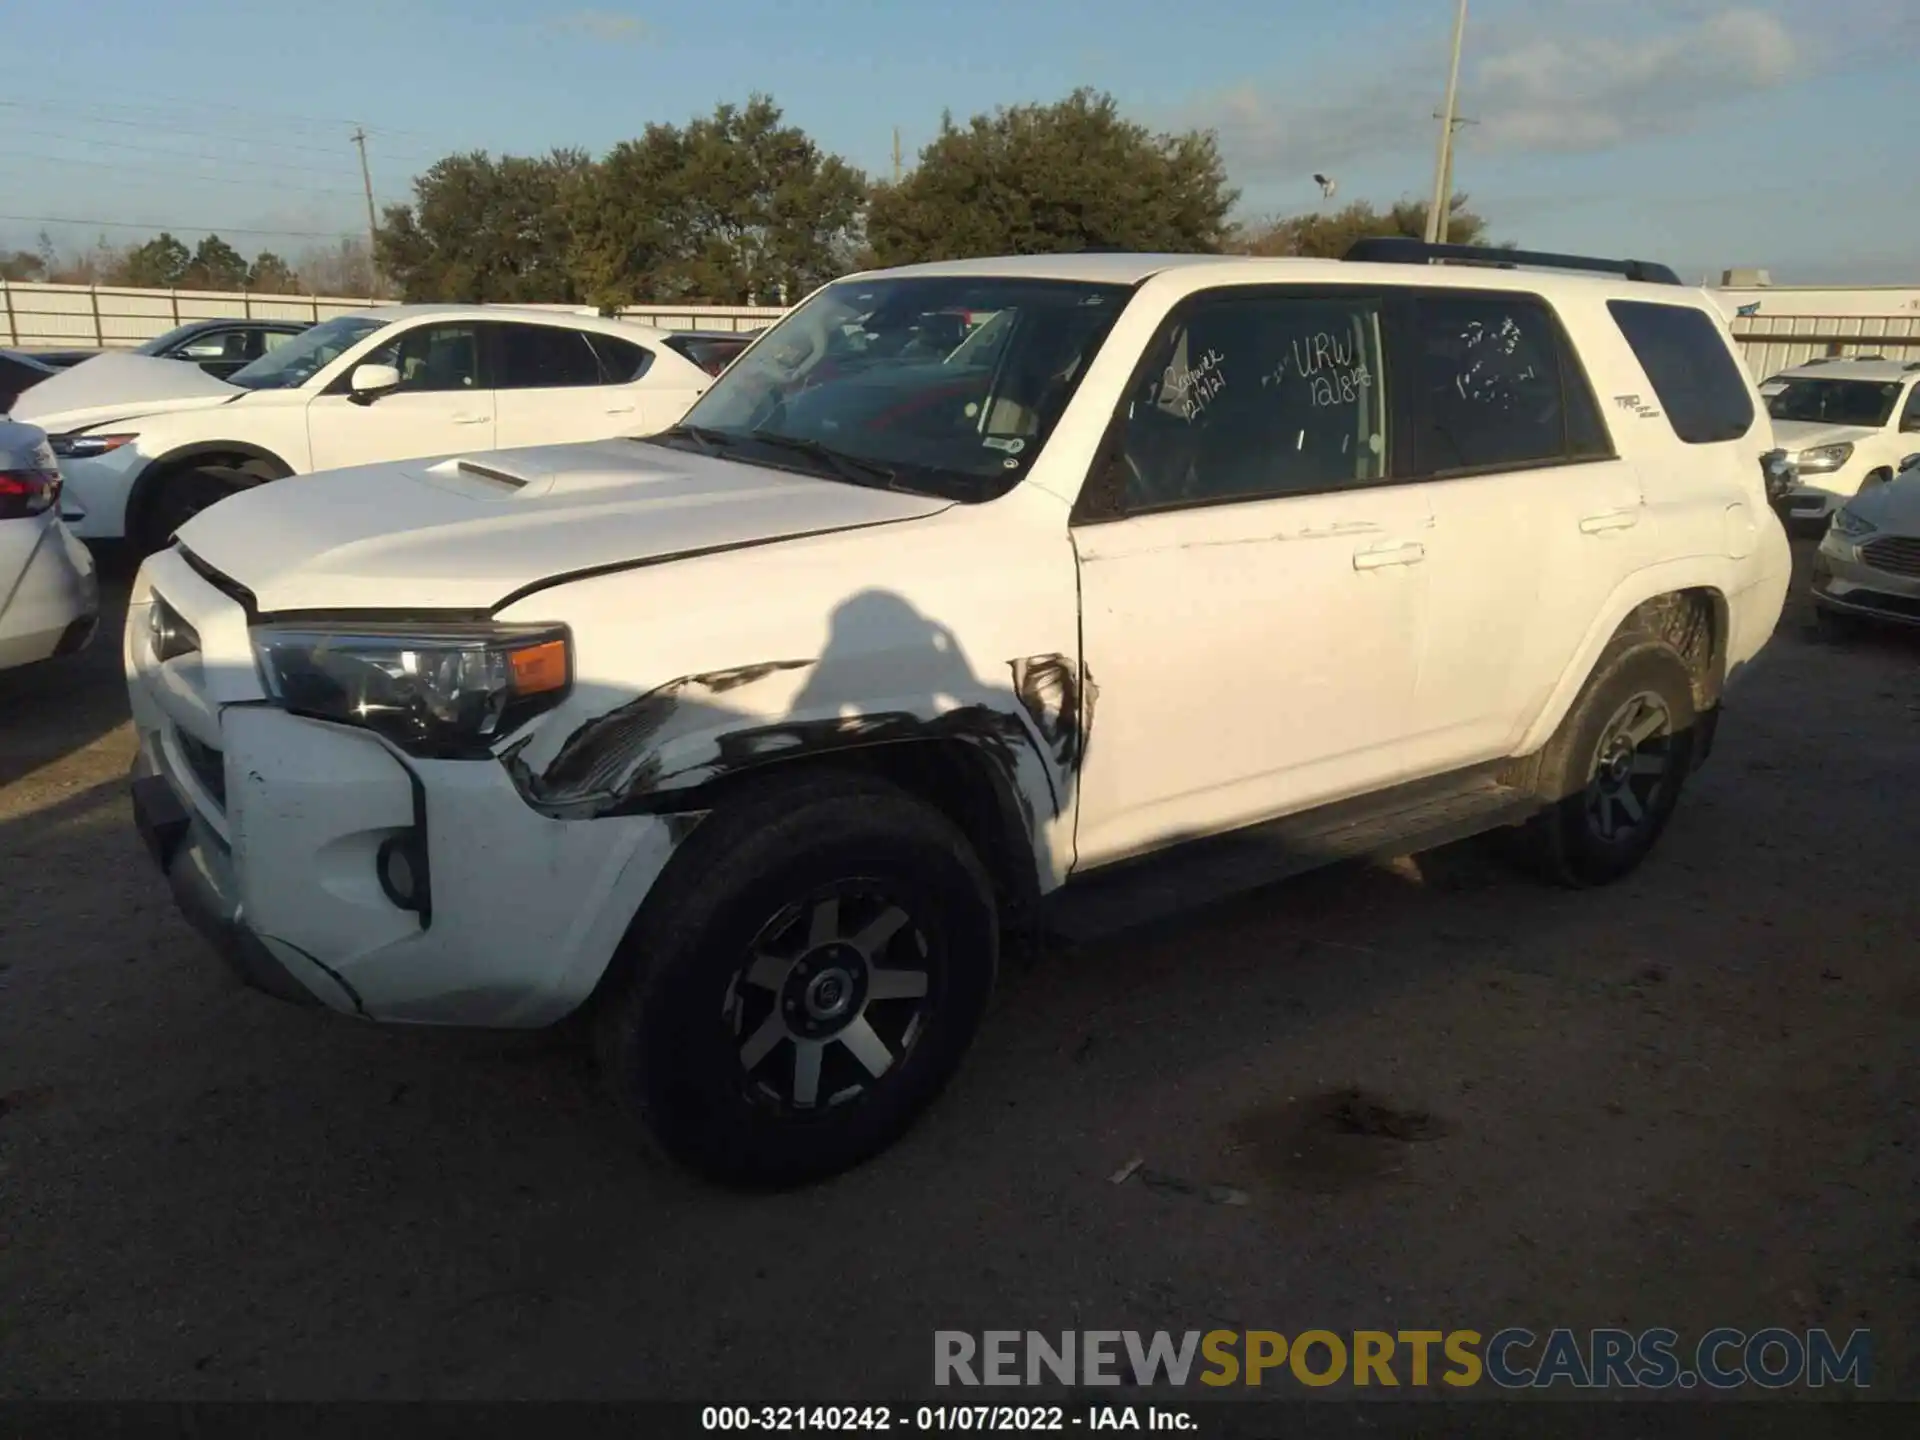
(369, 382)
(1912, 462)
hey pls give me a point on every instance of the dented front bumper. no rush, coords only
(275, 831)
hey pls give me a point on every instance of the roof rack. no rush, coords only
(1399, 250)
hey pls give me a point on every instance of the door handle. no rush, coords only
(619, 409)
(1611, 520)
(1409, 553)
(471, 419)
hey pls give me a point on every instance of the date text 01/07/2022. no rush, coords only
(932, 1419)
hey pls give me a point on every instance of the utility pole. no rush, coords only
(1446, 184)
(373, 225)
(896, 154)
(1443, 164)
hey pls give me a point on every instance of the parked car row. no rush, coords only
(773, 847)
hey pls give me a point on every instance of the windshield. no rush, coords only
(1867, 403)
(949, 385)
(306, 354)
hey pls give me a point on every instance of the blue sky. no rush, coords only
(1706, 133)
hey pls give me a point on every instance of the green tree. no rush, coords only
(482, 230)
(22, 265)
(1038, 179)
(271, 275)
(156, 265)
(1330, 236)
(733, 208)
(216, 265)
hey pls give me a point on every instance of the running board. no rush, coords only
(1403, 821)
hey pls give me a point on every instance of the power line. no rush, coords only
(80, 112)
(147, 171)
(256, 117)
(184, 154)
(156, 227)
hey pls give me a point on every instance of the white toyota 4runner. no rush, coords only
(749, 741)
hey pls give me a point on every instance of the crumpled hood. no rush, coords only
(119, 387)
(1797, 435)
(465, 533)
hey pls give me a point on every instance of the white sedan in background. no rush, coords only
(146, 444)
(49, 597)
(1846, 425)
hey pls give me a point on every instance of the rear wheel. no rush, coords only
(806, 985)
(1612, 774)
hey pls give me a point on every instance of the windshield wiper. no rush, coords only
(713, 440)
(847, 467)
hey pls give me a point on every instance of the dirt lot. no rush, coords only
(1685, 1101)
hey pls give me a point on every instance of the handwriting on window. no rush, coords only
(1494, 352)
(1331, 365)
(1192, 389)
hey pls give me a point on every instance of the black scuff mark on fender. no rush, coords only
(608, 758)
(1050, 690)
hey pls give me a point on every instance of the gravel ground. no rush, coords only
(1688, 1100)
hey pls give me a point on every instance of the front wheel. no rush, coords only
(807, 983)
(1612, 774)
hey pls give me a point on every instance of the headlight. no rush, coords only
(86, 447)
(1824, 459)
(442, 691)
(1846, 522)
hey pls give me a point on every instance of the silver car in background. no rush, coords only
(1868, 566)
(49, 595)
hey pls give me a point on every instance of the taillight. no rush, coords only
(27, 492)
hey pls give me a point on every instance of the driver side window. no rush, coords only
(434, 358)
(1910, 420)
(1252, 397)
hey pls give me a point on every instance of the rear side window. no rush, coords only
(1498, 387)
(545, 357)
(621, 361)
(1695, 378)
(712, 353)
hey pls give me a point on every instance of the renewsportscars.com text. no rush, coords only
(1512, 1358)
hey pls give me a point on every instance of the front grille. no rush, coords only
(1895, 554)
(209, 766)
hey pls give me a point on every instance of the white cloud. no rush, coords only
(1599, 78)
(607, 26)
(1594, 92)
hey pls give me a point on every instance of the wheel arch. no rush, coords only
(261, 464)
(1677, 604)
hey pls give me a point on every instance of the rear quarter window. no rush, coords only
(1695, 377)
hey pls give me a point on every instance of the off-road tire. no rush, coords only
(1565, 842)
(670, 1035)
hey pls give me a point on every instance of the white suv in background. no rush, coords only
(1847, 425)
(144, 443)
(749, 740)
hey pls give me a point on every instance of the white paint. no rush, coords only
(47, 579)
(1252, 659)
(171, 406)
